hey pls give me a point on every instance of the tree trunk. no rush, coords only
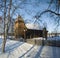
(4, 42)
(4, 39)
(6, 25)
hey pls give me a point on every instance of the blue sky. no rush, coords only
(28, 11)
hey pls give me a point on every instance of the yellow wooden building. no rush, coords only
(19, 27)
(22, 31)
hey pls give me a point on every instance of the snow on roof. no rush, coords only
(34, 26)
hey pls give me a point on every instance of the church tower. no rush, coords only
(19, 27)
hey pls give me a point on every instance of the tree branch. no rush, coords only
(47, 11)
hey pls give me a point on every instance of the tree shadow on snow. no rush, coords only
(39, 52)
(27, 51)
(0, 41)
(12, 47)
(54, 52)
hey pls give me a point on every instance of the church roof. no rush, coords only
(29, 25)
(34, 26)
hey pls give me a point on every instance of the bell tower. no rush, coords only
(19, 27)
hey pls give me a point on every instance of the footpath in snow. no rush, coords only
(16, 49)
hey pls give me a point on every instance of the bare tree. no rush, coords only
(4, 39)
(8, 9)
(49, 9)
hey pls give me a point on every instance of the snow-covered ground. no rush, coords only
(39, 38)
(54, 38)
(49, 38)
(16, 49)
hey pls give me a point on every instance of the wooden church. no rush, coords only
(22, 31)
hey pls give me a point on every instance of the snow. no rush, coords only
(54, 38)
(49, 38)
(1, 36)
(39, 38)
(17, 49)
(34, 26)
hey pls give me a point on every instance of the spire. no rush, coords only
(19, 18)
